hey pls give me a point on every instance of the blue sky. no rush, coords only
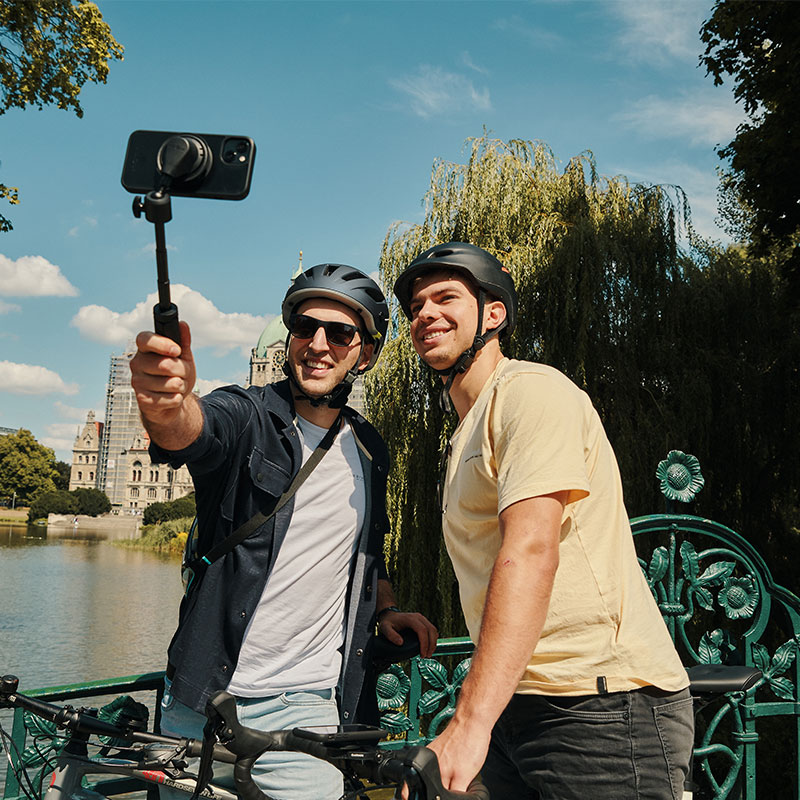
(349, 104)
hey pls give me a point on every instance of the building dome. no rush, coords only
(275, 333)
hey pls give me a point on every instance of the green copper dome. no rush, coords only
(274, 333)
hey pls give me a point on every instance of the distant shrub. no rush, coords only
(173, 509)
(91, 502)
(57, 502)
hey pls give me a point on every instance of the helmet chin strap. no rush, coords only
(337, 397)
(467, 357)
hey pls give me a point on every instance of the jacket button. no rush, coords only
(224, 667)
(346, 715)
(359, 652)
(243, 614)
(369, 589)
(260, 476)
(380, 469)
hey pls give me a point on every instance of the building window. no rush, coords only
(91, 476)
(134, 492)
(151, 494)
(168, 494)
(80, 476)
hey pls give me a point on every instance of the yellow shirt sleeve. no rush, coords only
(537, 423)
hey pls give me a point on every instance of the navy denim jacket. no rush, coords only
(244, 459)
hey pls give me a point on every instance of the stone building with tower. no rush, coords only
(86, 455)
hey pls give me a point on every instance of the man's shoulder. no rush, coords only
(366, 432)
(514, 371)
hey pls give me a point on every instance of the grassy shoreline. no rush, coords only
(165, 537)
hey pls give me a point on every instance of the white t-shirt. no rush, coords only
(294, 637)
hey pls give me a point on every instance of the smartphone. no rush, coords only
(338, 735)
(224, 169)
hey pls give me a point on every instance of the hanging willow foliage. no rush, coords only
(603, 296)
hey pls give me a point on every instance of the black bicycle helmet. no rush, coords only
(482, 268)
(487, 275)
(351, 287)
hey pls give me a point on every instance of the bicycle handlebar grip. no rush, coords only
(424, 762)
(166, 321)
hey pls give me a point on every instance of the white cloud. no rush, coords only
(150, 248)
(660, 31)
(62, 445)
(210, 326)
(70, 412)
(64, 432)
(536, 36)
(204, 386)
(466, 60)
(6, 308)
(33, 276)
(31, 379)
(701, 116)
(434, 91)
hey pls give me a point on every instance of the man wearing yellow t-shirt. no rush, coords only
(575, 688)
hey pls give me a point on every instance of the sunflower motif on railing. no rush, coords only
(679, 477)
(393, 687)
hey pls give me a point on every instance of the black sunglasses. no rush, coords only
(339, 334)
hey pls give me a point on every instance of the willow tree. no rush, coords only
(593, 260)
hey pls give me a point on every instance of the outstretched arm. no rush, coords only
(163, 376)
(513, 618)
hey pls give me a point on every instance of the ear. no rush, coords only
(494, 313)
(366, 355)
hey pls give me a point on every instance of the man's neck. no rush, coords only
(321, 416)
(468, 385)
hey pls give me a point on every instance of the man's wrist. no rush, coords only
(386, 609)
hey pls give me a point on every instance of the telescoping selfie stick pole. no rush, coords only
(158, 210)
(179, 158)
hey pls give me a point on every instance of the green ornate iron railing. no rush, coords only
(721, 605)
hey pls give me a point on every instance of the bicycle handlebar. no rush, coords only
(416, 766)
(241, 746)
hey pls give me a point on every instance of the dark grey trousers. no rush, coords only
(619, 746)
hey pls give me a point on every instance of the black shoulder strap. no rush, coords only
(259, 518)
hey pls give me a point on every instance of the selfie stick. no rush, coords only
(158, 210)
(180, 158)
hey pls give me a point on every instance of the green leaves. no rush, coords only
(26, 467)
(773, 668)
(49, 49)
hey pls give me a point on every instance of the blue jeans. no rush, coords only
(281, 775)
(620, 746)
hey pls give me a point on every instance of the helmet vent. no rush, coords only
(442, 253)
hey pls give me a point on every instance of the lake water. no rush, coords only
(75, 609)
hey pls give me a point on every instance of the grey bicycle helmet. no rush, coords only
(346, 285)
(354, 289)
(488, 276)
